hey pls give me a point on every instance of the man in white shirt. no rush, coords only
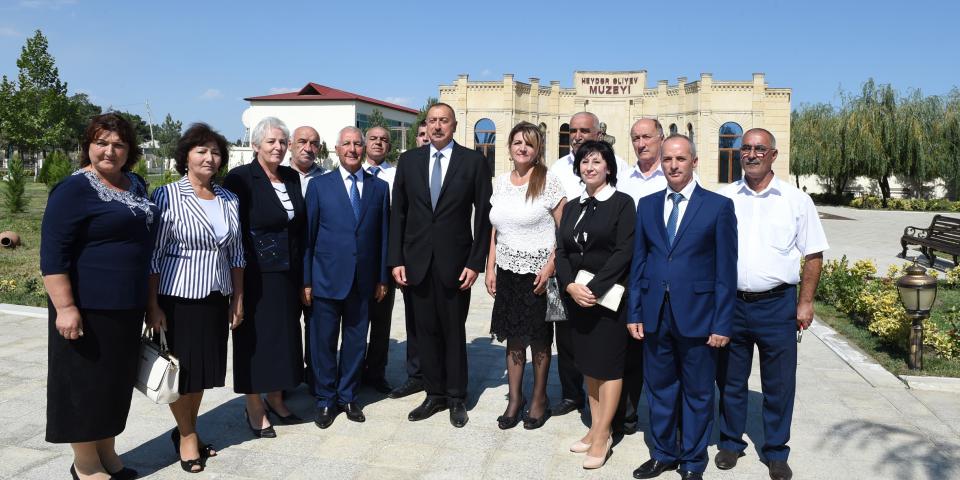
(378, 145)
(304, 147)
(778, 225)
(583, 126)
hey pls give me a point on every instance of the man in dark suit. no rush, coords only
(435, 253)
(344, 268)
(683, 282)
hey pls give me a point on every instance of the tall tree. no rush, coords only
(35, 108)
(950, 138)
(81, 111)
(168, 134)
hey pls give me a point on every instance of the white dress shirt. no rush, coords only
(444, 162)
(687, 191)
(634, 183)
(776, 228)
(315, 171)
(349, 183)
(563, 168)
(387, 173)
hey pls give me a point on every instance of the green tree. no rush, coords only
(818, 145)
(34, 109)
(412, 131)
(81, 111)
(58, 166)
(140, 126)
(168, 134)
(15, 185)
(950, 138)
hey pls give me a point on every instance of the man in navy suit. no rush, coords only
(437, 252)
(683, 282)
(344, 267)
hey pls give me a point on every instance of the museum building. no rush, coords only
(713, 113)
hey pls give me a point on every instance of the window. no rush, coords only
(673, 129)
(564, 140)
(690, 132)
(485, 139)
(729, 162)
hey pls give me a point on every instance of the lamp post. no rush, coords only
(917, 293)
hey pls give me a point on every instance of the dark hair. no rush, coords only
(199, 134)
(605, 151)
(111, 122)
(532, 134)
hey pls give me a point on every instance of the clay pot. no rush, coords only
(9, 239)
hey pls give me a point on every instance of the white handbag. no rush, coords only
(158, 373)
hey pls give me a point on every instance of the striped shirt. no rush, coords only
(190, 259)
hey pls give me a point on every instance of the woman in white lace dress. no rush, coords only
(526, 207)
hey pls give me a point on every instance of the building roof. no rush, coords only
(316, 92)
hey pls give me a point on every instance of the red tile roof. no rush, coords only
(316, 92)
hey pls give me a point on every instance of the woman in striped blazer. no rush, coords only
(196, 280)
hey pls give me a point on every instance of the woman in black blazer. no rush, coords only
(267, 348)
(596, 235)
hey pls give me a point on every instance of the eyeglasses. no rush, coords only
(760, 150)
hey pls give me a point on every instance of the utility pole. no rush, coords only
(153, 142)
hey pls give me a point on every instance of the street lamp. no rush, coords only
(917, 293)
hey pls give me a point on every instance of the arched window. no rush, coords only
(564, 140)
(673, 129)
(729, 165)
(690, 132)
(485, 140)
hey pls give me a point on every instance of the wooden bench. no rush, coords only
(943, 235)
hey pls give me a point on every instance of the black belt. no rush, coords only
(755, 296)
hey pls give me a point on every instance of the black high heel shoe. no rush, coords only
(507, 422)
(291, 419)
(268, 432)
(187, 465)
(206, 451)
(124, 474)
(531, 423)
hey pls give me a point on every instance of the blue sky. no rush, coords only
(198, 59)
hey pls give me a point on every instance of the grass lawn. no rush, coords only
(894, 358)
(21, 265)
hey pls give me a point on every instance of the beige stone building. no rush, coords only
(714, 113)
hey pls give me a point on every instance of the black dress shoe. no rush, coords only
(458, 414)
(378, 384)
(727, 459)
(533, 423)
(427, 409)
(325, 416)
(124, 474)
(564, 407)
(291, 419)
(268, 432)
(505, 422)
(653, 467)
(409, 387)
(353, 411)
(779, 470)
(688, 475)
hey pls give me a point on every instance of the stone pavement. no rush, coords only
(852, 421)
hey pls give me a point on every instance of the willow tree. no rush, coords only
(919, 120)
(950, 141)
(875, 136)
(819, 145)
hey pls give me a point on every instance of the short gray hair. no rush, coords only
(773, 140)
(264, 126)
(596, 119)
(349, 128)
(693, 146)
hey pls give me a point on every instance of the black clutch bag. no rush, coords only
(272, 250)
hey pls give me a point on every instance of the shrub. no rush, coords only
(58, 167)
(15, 185)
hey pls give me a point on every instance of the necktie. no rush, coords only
(354, 196)
(674, 215)
(374, 170)
(436, 179)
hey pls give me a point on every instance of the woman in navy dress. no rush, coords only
(96, 239)
(267, 346)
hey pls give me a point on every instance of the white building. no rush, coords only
(327, 110)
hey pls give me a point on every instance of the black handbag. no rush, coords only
(272, 250)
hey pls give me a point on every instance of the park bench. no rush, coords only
(943, 235)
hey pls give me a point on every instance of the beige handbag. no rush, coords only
(158, 374)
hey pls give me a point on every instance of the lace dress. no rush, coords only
(525, 239)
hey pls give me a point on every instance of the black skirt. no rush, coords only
(518, 313)
(599, 340)
(90, 380)
(197, 336)
(267, 346)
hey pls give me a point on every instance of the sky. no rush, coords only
(197, 60)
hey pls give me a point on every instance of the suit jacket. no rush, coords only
(188, 257)
(339, 247)
(261, 210)
(420, 235)
(699, 269)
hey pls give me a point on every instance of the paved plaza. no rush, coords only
(852, 421)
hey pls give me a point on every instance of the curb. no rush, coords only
(866, 367)
(937, 384)
(23, 311)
